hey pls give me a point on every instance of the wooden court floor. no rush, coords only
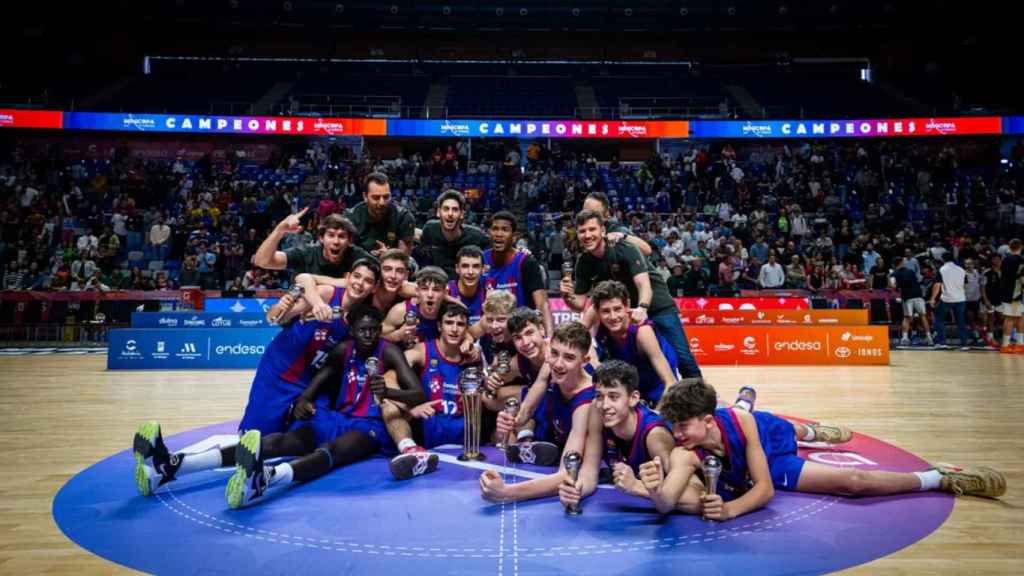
(60, 414)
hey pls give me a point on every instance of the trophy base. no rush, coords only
(573, 511)
(479, 456)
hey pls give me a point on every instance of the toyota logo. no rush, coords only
(843, 352)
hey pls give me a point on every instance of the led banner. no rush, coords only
(199, 124)
(539, 129)
(866, 128)
(239, 305)
(31, 119)
(198, 320)
(781, 345)
(1013, 124)
(188, 348)
(774, 317)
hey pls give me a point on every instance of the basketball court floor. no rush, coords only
(70, 507)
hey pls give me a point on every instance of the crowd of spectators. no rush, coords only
(718, 218)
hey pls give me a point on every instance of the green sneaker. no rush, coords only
(154, 465)
(250, 479)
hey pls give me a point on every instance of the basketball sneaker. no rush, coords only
(746, 398)
(413, 462)
(830, 434)
(536, 453)
(971, 481)
(154, 465)
(904, 342)
(250, 478)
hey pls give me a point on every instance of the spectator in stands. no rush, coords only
(759, 250)
(870, 257)
(82, 269)
(817, 279)
(445, 235)
(796, 274)
(13, 277)
(695, 282)
(162, 282)
(771, 275)
(189, 275)
(332, 256)
(95, 282)
(950, 292)
(751, 274)
(380, 223)
(87, 242)
(879, 276)
(725, 272)
(160, 238)
(109, 246)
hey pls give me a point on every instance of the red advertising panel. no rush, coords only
(773, 317)
(774, 303)
(764, 345)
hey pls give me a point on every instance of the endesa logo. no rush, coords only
(240, 349)
(798, 346)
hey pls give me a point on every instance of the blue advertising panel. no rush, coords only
(184, 348)
(199, 320)
(239, 305)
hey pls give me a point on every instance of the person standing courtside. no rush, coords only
(380, 223)
(648, 293)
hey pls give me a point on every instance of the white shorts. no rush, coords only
(1012, 309)
(913, 307)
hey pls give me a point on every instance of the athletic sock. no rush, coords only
(906, 336)
(744, 404)
(524, 435)
(406, 444)
(930, 480)
(810, 435)
(1006, 340)
(200, 461)
(282, 474)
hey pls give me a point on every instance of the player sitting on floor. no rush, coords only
(618, 337)
(293, 356)
(561, 418)
(438, 420)
(333, 429)
(758, 452)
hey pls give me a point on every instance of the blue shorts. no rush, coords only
(269, 400)
(328, 425)
(778, 437)
(440, 429)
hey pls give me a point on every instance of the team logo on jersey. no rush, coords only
(433, 362)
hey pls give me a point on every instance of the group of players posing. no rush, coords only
(344, 380)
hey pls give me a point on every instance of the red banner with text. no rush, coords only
(811, 345)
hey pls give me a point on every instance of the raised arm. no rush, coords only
(267, 255)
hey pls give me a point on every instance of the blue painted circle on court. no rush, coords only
(358, 520)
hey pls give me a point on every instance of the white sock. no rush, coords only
(526, 434)
(200, 461)
(810, 435)
(282, 474)
(930, 480)
(906, 336)
(406, 444)
(744, 404)
(1006, 340)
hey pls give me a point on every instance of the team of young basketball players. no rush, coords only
(346, 379)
